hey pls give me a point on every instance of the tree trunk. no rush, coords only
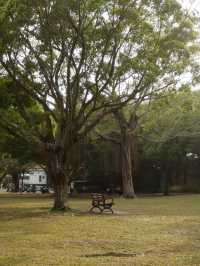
(127, 152)
(166, 182)
(15, 180)
(185, 172)
(60, 195)
(166, 187)
(58, 175)
(127, 167)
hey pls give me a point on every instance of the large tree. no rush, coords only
(80, 60)
(167, 52)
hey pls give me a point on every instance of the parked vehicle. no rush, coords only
(44, 189)
(36, 188)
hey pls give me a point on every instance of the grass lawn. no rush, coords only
(143, 231)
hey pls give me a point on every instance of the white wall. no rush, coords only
(37, 177)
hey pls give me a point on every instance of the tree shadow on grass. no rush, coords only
(111, 254)
(8, 214)
(23, 196)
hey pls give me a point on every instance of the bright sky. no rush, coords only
(192, 5)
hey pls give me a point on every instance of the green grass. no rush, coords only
(144, 231)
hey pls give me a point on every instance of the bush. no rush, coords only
(192, 188)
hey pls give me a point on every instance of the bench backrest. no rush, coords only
(98, 198)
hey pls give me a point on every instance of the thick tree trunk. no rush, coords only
(60, 196)
(127, 152)
(58, 176)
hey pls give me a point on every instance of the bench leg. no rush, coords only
(110, 209)
(91, 210)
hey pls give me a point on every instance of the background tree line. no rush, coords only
(166, 148)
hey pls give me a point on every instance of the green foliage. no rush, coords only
(170, 125)
(15, 150)
(67, 64)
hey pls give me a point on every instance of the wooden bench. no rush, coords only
(101, 202)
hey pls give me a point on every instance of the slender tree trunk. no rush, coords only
(166, 182)
(15, 179)
(185, 172)
(166, 187)
(127, 167)
(22, 184)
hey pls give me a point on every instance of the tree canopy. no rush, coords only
(78, 61)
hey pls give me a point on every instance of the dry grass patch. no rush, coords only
(144, 231)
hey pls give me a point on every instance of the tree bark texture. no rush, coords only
(127, 152)
(59, 176)
(127, 167)
(60, 195)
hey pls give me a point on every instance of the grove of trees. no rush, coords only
(68, 66)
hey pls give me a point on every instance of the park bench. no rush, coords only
(101, 202)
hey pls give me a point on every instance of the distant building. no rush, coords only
(34, 178)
